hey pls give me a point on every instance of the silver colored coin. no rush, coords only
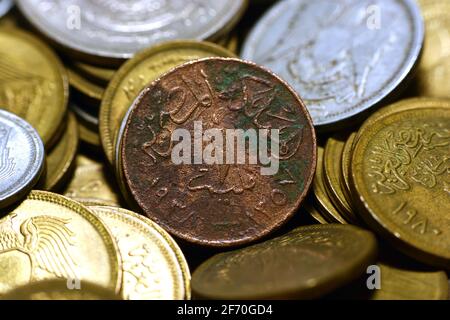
(5, 6)
(342, 57)
(118, 28)
(21, 158)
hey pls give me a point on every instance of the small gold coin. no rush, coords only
(92, 181)
(60, 290)
(61, 159)
(153, 265)
(34, 83)
(50, 237)
(324, 203)
(314, 213)
(308, 262)
(401, 175)
(333, 176)
(345, 166)
(135, 74)
(86, 87)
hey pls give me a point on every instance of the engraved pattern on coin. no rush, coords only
(6, 163)
(217, 204)
(46, 240)
(118, 29)
(327, 52)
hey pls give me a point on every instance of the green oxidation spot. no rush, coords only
(291, 170)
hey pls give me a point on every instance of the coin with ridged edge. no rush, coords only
(21, 158)
(400, 177)
(154, 267)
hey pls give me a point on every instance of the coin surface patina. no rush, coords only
(21, 158)
(153, 265)
(306, 263)
(341, 57)
(137, 73)
(117, 29)
(222, 204)
(50, 237)
(33, 83)
(400, 177)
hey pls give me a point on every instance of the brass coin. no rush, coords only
(153, 267)
(83, 85)
(33, 82)
(404, 284)
(345, 166)
(324, 203)
(314, 213)
(138, 72)
(92, 181)
(60, 290)
(400, 174)
(308, 262)
(100, 75)
(61, 159)
(436, 14)
(333, 176)
(50, 237)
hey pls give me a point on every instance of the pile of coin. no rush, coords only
(353, 96)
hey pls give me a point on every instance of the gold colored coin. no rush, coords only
(60, 290)
(50, 237)
(34, 83)
(85, 86)
(324, 203)
(308, 262)
(101, 75)
(333, 176)
(153, 267)
(434, 67)
(400, 174)
(435, 82)
(345, 166)
(436, 14)
(138, 72)
(404, 284)
(88, 135)
(92, 181)
(314, 213)
(61, 159)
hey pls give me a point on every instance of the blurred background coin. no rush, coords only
(113, 29)
(5, 6)
(222, 204)
(308, 262)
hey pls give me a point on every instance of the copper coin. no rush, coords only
(223, 201)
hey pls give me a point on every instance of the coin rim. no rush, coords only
(289, 213)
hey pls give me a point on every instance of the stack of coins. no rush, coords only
(118, 177)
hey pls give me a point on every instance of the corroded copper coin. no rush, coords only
(219, 151)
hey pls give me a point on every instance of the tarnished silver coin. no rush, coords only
(21, 158)
(118, 29)
(342, 57)
(5, 6)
